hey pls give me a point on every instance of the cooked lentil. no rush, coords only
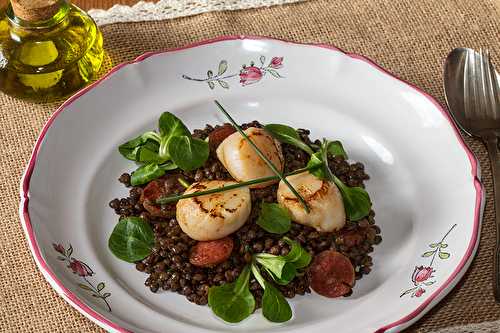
(168, 265)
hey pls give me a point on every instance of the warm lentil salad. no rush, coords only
(258, 242)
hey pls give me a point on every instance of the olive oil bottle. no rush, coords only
(48, 49)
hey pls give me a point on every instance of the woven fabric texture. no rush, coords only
(409, 38)
(103, 4)
(168, 9)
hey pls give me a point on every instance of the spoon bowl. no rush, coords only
(456, 75)
(472, 93)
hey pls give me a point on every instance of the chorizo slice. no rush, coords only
(208, 254)
(153, 191)
(218, 135)
(332, 274)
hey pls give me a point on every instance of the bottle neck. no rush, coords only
(57, 18)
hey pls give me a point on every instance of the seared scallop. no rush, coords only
(213, 216)
(241, 160)
(327, 211)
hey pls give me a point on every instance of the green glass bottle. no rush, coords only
(48, 49)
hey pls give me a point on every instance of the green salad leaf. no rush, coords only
(357, 202)
(148, 153)
(233, 302)
(152, 150)
(274, 218)
(280, 270)
(275, 308)
(132, 239)
(146, 173)
(287, 134)
(170, 127)
(336, 148)
(317, 160)
(298, 256)
(187, 152)
(130, 148)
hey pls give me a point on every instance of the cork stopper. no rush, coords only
(35, 10)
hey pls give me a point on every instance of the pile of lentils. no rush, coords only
(168, 265)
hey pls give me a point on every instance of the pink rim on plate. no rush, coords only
(89, 312)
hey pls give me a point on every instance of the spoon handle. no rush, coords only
(492, 145)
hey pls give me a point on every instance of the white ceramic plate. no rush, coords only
(424, 180)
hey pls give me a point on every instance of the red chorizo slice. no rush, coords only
(218, 135)
(332, 274)
(153, 191)
(207, 254)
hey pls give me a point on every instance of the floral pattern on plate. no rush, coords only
(422, 275)
(248, 74)
(84, 271)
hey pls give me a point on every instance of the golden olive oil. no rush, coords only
(49, 59)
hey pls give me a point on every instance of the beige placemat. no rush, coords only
(408, 37)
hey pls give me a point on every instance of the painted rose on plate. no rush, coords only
(248, 74)
(84, 272)
(422, 275)
(276, 62)
(80, 268)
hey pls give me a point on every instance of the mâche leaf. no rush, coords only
(132, 239)
(336, 148)
(316, 160)
(232, 302)
(357, 202)
(274, 218)
(151, 149)
(146, 173)
(280, 270)
(170, 126)
(287, 134)
(275, 308)
(129, 149)
(283, 269)
(148, 153)
(188, 153)
(297, 255)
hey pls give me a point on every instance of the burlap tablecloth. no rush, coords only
(410, 38)
(103, 4)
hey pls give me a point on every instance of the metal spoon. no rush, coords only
(473, 98)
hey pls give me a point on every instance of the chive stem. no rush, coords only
(175, 198)
(264, 157)
(183, 182)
